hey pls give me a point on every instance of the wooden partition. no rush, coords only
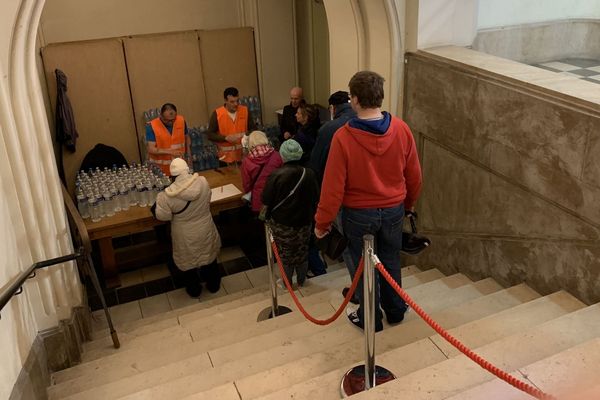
(228, 59)
(98, 88)
(166, 68)
(111, 82)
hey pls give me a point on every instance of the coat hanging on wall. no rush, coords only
(66, 131)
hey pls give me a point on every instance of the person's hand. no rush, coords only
(234, 138)
(320, 234)
(287, 135)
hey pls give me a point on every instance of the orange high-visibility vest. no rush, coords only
(231, 152)
(166, 140)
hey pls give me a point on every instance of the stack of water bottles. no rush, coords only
(254, 109)
(204, 152)
(102, 193)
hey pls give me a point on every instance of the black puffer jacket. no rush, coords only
(299, 209)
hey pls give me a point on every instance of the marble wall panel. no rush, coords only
(541, 42)
(443, 104)
(547, 266)
(459, 196)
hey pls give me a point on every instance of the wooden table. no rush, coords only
(140, 219)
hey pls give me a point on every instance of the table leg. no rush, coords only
(109, 263)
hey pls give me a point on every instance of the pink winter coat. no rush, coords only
(256, 168)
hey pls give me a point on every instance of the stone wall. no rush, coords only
(511, 177)
(541, 42)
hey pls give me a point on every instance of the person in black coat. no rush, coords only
(339, 105)
(291, 195)
(308, 118)
(288, 126)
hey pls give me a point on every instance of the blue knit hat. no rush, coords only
(290, 150)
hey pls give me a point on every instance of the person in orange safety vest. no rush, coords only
(228, 124)
(166, 138)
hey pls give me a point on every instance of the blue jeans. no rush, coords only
(385, 224)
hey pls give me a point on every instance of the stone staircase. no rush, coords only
(216, 350)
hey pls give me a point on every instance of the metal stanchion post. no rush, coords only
(365, 377)
(275, 309)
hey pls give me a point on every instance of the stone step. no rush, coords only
(259, 276)
(426, 352)
(197, 381)
(570, 374)
(282, 383)
(458, 374)
(239, 341)
(129, 352)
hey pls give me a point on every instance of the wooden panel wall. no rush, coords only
(99, 92)
(113, 81)
(166, 68)
(228, 59)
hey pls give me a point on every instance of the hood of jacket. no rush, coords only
(263, 158)
(375, 143)
(343, 109)
(186, 187)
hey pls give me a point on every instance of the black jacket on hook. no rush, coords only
(66, 131)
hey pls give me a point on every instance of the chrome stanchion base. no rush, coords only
(267, 313)
(354, 380)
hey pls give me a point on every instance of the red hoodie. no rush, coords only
(367, 170)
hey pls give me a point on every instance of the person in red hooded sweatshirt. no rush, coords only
(373, 173)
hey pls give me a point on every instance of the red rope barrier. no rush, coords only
(538, 394)
(299, 305)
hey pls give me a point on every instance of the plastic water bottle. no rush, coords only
(141, 192)
(109, 205)
(124, 197)
(82, 205)
(130, 186)
(114, 193)
(94, 209)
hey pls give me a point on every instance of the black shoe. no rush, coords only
(397, 319)
(214, 284)
(354, 299)
(355, 319)
(193, 290)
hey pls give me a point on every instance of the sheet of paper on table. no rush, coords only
(223, 192)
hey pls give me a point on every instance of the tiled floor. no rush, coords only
(156, 280)
(581, 68)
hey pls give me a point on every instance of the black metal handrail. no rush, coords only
(16, 287)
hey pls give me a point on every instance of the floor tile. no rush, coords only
(238, 265)
(131, 293)
(131, 278)
(258, 276)
(597, 81)
(546, 68)
(159, 286)
(569, 74)
(155, 272)
(230, 253)
(580, 62)
(109, 296)
(154, 305)
(594, 77)
(126, 312)
(206, 295)
(560, 66)
(583, 72)
(179, 298)
(597, 69)
(235, 283)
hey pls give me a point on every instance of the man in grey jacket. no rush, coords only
(339, 106)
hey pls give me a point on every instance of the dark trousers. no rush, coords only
(385, 224)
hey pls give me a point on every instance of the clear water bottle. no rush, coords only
(149, 192)
(109, 205)
(116, 199)
(142, 194)
(94, 207)
(124, 197)
(82, 205)
(132, 194)
(101, 205)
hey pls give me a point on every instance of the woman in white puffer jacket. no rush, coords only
(196, 241)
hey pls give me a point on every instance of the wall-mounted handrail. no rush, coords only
(15, 287)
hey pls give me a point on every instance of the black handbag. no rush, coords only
(332, 244)
(412, 242)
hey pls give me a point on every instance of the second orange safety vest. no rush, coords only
(231, 152)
